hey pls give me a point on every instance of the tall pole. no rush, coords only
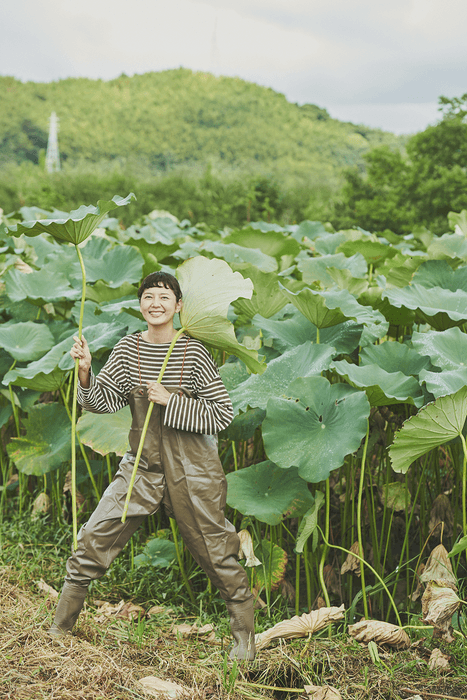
(52, 157)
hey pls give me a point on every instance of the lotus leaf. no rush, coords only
(459, 220)
(314, 269)
(395, 496)
(326, 309)
(273, 570)
(382, 388)
(5, 414)
(399, 270)
(120, 265)
(290, 332)
(158, 552)
(447, 349)
(395, 357)
(233, 253)
(315, 427)
(233, 374)
(302, 361)
(438, 273)
(46, 443)
(268, 492)
(272, 243)
(445, 382)
(439, 307)
(267, 297)
(101, 292)
(244, 425)
(209, 286)
(374, 252)
(309, 524)
(327, 245)
(76, 226)
(435, 424)
(107, 432)
(39, 287)
(310, 230)
(26, 341)
(344, 280)
(394, 315)
(451, 245)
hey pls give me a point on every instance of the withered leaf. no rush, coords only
(45, 588)
(439, 603)
(322, 692)
(300, 626)
(158, 688)
(438, 566)
(438, 661)
(352, 564)
(246, 550)
(379, 632)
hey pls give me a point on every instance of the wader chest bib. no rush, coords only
(182, 470)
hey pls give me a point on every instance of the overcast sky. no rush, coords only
(378, 63)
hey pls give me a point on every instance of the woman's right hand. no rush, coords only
(80, 351)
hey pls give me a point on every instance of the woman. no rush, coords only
(179, 465)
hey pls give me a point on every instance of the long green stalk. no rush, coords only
(359, 522)
(74, 406)
(464, 486)
(146, 425)
(323, 554)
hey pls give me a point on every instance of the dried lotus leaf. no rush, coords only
(322, 692)
(438, 566)
(158, 688)
(438, 661)
(246, 550)
(302, 626)
(441, 512)
(352, 564)
(379, 632)
(41, 505)
(439, 603)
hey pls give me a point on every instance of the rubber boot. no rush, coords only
(242, 626)
(68, 608)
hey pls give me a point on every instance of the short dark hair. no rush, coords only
(160, 279)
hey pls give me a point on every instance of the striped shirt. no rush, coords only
(208, 412)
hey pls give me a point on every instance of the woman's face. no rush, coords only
(158, 306)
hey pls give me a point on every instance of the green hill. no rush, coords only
(179, 117)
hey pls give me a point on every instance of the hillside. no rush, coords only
(179, 117)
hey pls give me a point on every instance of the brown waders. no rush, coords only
(182, 470)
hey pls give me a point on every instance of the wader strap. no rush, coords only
(139, 364)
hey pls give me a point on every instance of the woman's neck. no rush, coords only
(158, 336)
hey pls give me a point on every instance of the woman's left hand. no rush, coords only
(158, 394)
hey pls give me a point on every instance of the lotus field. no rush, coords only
(344, 353)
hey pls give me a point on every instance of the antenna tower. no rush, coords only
(52, 157)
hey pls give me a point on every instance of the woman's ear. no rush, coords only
(178, 305)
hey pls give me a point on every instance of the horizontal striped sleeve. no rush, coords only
(107, 393)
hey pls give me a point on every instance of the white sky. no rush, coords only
(373, 62)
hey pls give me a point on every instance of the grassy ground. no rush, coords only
(108, 655)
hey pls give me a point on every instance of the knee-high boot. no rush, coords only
(242, 626)
(68, 608)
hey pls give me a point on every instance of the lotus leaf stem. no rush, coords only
(359, 521)
(74, 405)
(323, 555)
(146, 425)
(464, 485)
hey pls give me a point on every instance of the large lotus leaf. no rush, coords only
(266, 226)
(315, 427)
(55, 363)
(315, 269)
(393, 315)
(26, 341)
(272, 243)
(395, 357)
(39, 286)
(302, 361)
(77, 225)
(438, 273)
(447, 349)
(209, 287)
(310, 230)
(399, 270)
(233, 374)
(451, 245)
(459, 220)
(382, 388)
(268, 493)
(158, 552)
(243, 425)
(234, 253)
(446, 382)
(100, 292)
(441, 308)
(267, 297)
(374, 252)
(105, 432)
(119, 265)
(46, 443)
(151, 250)
(435, 424)
(290, 332)
(345, 280)
(325, 309)
(327, 245)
